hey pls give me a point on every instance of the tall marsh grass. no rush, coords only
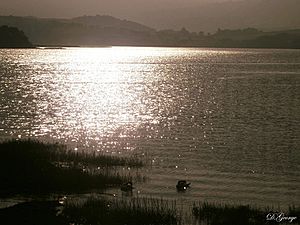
(220, 214)
(32, 167)
(136, 211)
(61, 153)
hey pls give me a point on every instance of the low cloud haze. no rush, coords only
(195, 15)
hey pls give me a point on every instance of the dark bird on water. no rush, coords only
(182, 185)
(127, 187)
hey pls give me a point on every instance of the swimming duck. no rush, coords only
(127, 187)
(182, 185)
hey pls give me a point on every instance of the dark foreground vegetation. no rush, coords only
(118, 212)
(12, 37)
(33, 167)
(41, 170)
(217, 214)
(140, 211)
(95, 211)
(32, 213)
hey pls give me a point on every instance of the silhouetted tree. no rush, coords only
(12, 37)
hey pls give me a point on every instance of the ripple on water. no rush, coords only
(226, 120)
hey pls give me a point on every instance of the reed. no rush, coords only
(56, 152)
(136, 211)
(32, 167)
(216, 214)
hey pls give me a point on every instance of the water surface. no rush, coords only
(228, 120)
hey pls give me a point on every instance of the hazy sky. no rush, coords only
(195, 15)
(71, 8)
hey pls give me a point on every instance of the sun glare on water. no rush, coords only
(94, 92)
(102, 95)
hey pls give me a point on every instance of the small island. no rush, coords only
(12, 37)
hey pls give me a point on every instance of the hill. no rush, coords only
(109, 31)
(109, 21)
(83, 31)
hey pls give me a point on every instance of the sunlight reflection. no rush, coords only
(95, 92)
(84, 94)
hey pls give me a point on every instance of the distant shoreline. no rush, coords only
(142, 46)
(103, 31)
